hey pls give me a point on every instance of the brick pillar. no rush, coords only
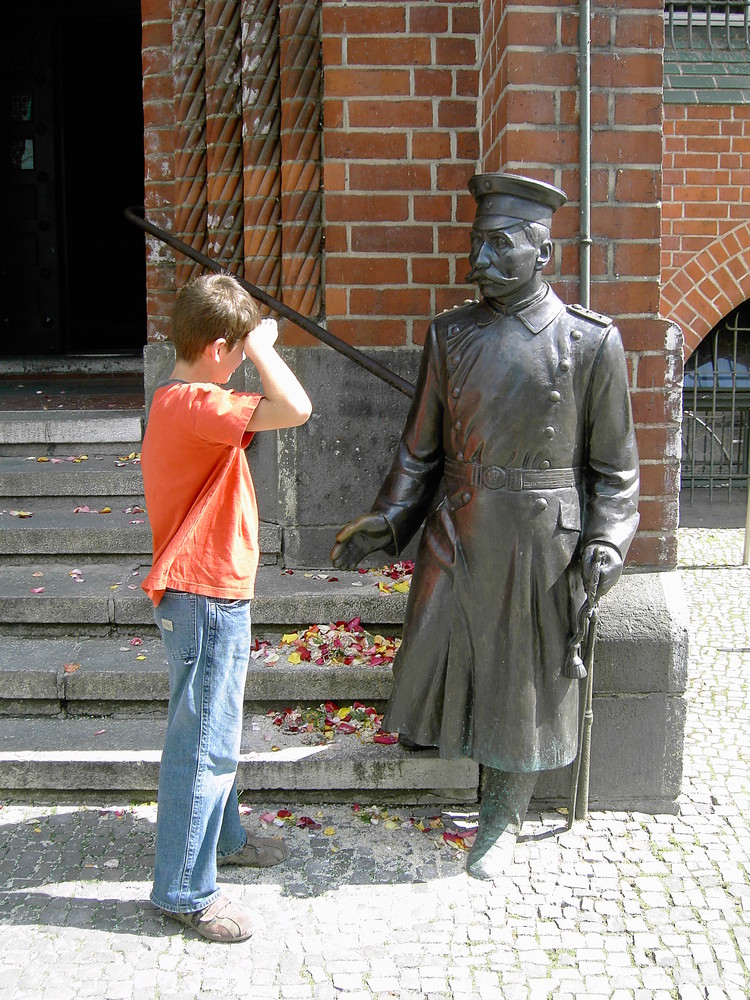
(158, 141)
(261, 126)
(301, 167)
(225, 214)
(190, 163)
(400, 115)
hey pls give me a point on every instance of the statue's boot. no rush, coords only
(505, 799)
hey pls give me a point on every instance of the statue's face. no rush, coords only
(503, 259)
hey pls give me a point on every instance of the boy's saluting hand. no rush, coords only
(261, 338)
(285, 403)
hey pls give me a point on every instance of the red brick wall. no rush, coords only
(706, 217)
(400, 123)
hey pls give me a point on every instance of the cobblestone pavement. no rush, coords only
(626, 905)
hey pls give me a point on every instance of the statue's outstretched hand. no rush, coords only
(358, 538)
(603, 560)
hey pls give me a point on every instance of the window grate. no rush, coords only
(716, 408)
(718, 24)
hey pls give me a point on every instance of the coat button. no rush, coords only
(544, 465)
(554, 396)
(466, 497)
(455, 392)
(453, 329)
(459, 456)
(565, 365)
(576, 335)
(455, 359)
(540, 504)
(458, 425)
(549, 432)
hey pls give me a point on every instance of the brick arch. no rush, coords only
(709, 286)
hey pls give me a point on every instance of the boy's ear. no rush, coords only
(214, 350)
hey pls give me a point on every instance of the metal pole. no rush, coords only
(135, 216)
(584, 46)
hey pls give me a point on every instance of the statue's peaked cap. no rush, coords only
(512, 197)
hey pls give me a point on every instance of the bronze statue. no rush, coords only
(519, 452)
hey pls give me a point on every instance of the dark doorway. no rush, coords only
(72, 270)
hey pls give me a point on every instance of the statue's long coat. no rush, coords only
(497, 586)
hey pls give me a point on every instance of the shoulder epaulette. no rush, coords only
(459, 305)
(589, 314)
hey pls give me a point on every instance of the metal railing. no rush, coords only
(716, 409)
(716, 25)
(137, 216)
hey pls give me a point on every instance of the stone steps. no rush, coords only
(127, 674)
(61, 433)
(109, 594)
(82, 671)
(70, 594)
(94, 755)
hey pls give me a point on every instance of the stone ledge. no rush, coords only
(112, 754)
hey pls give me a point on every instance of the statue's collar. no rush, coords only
(535, 313)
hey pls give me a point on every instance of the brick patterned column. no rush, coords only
(190, 164)
(225, 216)
(158, 118)
(301, 168)
(261, 147)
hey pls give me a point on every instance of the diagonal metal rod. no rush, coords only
(136, 216)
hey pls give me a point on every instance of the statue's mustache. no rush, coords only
(494, 276)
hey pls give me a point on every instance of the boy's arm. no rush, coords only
(285, 403)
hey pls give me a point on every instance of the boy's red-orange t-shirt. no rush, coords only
(200, 498)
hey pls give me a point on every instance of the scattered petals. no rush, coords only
(136, 641)
(329, 831)
(37, 590)
(21, 513)
(387, 738)
(307, 823)
(70, 668)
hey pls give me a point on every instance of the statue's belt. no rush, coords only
(495, 477)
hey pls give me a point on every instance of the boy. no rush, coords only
(202, 509)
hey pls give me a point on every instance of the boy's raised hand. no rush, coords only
(263, 336)
(285, 403)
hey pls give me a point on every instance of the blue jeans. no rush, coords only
(207, 641)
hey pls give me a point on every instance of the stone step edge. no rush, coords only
(29, 428)
(296, 597)
(54, 532)
(96, 475)
(115, 754)
(72, 689)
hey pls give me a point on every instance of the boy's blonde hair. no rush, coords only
(208, 308)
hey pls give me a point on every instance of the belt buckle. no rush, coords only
(494, 477)
(515, 479)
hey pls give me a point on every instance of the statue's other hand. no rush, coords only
(609, 562)
(358, 538)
